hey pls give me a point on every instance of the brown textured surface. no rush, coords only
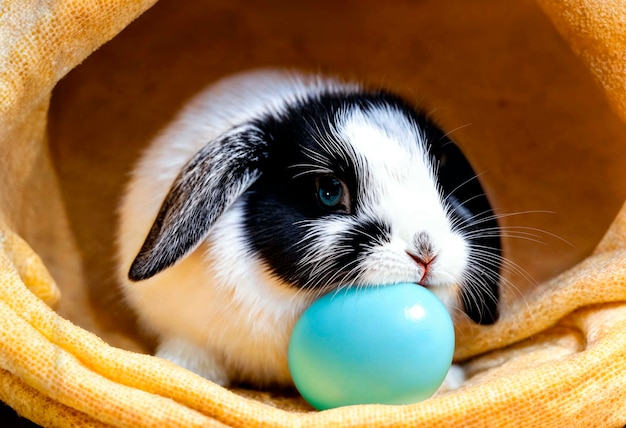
(526, 105)
(507, 86)
(596, 32)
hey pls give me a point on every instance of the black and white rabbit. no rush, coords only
(270, 189)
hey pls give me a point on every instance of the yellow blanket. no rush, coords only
(558, 355)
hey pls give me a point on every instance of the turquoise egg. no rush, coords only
(389, 344)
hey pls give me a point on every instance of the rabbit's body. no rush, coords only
(292, 186)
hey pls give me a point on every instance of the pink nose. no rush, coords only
(423, 263)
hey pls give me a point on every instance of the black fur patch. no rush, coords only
(284, 197)
(471, 213)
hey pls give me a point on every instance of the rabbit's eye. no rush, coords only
(329, 191)
(332, 193)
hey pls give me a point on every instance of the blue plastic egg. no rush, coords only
(389, 344)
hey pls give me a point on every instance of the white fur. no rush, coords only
(407, 198)
(219, 312)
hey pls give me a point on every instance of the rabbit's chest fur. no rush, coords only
(237, 315)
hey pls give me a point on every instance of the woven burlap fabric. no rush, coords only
(556, 358)
(595, 31)
(571, 374)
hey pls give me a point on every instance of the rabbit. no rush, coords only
(271, 188)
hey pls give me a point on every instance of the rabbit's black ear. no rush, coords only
(207, 185)
(472, 212)
(482, 305)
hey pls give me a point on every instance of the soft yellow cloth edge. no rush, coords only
(177, 383)
(595, 32)
(40, 408)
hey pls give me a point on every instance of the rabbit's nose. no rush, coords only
(423, 260)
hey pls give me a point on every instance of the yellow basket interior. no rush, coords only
(496, 75)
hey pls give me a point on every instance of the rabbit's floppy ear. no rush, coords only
(207, 185)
